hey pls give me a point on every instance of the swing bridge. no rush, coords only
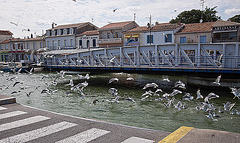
(179, 58)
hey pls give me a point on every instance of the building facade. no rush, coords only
(111, 35)
(5, 34)
(159, 34)
(87, 39)
(225, 31)
(195, 33)
(31, 48)
(63, 36)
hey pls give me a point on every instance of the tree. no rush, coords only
(194, 16)
(235, 18)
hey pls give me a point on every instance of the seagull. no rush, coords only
(28, 94)
(153, 85)
(187, 97)
(115, 10)
(30, 72)
(210, 116)
(199, 95)
(113, 91)
(217, 81)
(235, 92)
(180, 84)
(166, 79)
(16, 24)
(210, 96)
(130, 99)
(178, 105)
(112, 80)
(130, 79)
(26, 30)
(175, 92)
(17, 82)
(228, 106)
(70, 83)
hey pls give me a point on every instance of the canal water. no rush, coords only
(149, 113)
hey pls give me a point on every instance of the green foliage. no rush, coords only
(235, 18)
(194, 16)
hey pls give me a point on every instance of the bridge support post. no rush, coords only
(91, 58)
(199, 55)
(121, 56)
(105, 55)
(156, 56)
(236, 56)
(138, 56)
(224, 55)
(177, 57)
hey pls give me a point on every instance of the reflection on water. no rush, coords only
(150, 113)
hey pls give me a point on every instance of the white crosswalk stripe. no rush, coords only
(31, 135)
(85, 136)
(23, 122)
(2, 108)
(137, 140)
(11, 114)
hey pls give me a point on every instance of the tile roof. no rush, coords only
(115, 25)
(11, 40)
(159, 27)
(5, 32)
(33, 39)
(92, 32)
(197, 27)
(224, 23)
(69, 25)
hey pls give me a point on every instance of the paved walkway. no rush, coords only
(19, 123)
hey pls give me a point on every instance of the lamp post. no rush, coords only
(150, 26)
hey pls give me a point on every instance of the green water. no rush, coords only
(149, 113)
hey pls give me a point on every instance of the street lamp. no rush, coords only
(150, 27)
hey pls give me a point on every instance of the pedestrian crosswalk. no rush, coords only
(49, 129)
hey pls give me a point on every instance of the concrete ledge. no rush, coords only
(7, 100)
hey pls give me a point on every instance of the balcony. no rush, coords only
(110, 41)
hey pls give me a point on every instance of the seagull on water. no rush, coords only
(148, 85)
(112, 80)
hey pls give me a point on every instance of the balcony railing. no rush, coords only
(112, 40)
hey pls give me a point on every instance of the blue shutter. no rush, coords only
(182, 39)
(203, 39)
(148, 38)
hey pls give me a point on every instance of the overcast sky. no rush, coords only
(37, 15)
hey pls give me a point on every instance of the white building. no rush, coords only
(87, 40)
(63, 36)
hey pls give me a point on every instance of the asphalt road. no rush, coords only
(19, 123)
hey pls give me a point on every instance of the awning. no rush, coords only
(135, 35)
(127, 36)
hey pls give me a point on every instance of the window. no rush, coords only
(183, 39)
(116, 34)
(168, 38)
(65, 43)
(59, 43)
(34, 46)
(41, 45)
(203, 39)
(149, 38)
(27, 45)
(68, 30)
(94, 42)
(47, 44)
(6, 47)
(108, 35)
(80, 42)
(1, 47)
(53, 44)
(71, 42)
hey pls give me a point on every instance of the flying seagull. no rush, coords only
(217, 81)
(115, 10)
